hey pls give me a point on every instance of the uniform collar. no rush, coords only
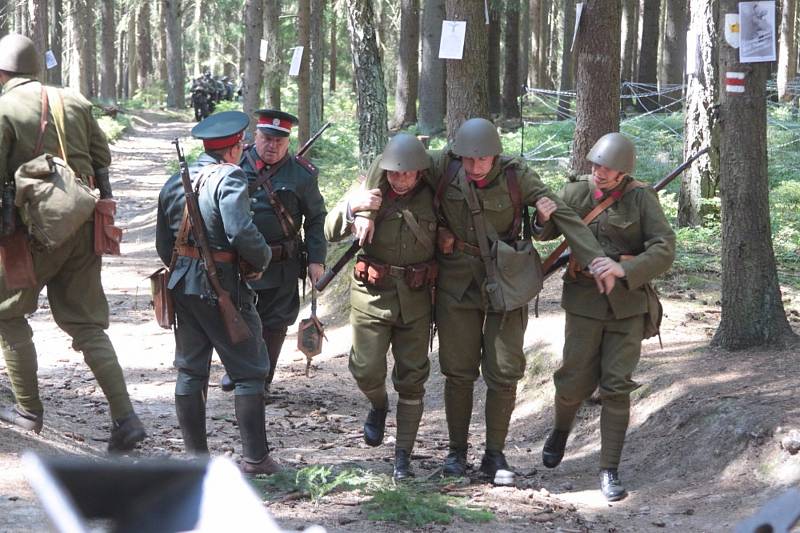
(16, 82)
(490, 177)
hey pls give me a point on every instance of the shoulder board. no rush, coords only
(306, 164)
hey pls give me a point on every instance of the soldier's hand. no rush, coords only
(363, 228)
(606, 271)
(544, 208)
(315, 271)
(365, 200)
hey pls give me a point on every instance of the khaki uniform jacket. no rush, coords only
(20, 115)
(393, 243)
(634, 225)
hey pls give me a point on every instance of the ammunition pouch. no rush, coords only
(163, 304)
(107, 236)
(285, 250)
(16, 261)
(376, 273)
(445, 240)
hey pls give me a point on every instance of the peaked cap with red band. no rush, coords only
(275, 123)
(221, 130)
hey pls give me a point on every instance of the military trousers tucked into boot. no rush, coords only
(191, 411)
(274, 341)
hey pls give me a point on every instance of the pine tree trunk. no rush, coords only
(4, 17)
(197, 34)
(368, 74)
(544, 45)
(787, 60)
(272, 73)
(701, 130)
(317, 66)
(494, 33)
(108, 77)
(629, 37)
(405, 95)
(303, 79)
(466, 79)
(145, 48)
(525, 43)
(674, 41)
(163, 74)
(252, 63)
(56, 39)
(120, 66)
(333, 61)
(535, 35)
(174, 52)
(511, 84)
(132, 63)
(566, 81)
(648, 53)
(432, 77)
(752, 309)
(39, 30)
(597, 79)
(556, 21)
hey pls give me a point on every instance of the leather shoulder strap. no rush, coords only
(516, 199)
(452, 170)
(42, 123)
(265, 180)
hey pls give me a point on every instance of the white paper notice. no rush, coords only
(451, 46)
(758, 32)
(297, 58)
(50, 59)
(578, 13)
(262, 53)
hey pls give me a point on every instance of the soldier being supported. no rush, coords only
(391, 294)
(604, 331)
(224, 205)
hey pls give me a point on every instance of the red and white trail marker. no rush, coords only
(734, 82)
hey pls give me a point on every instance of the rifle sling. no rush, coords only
(265, 180)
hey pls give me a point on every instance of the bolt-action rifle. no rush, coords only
(235, 326)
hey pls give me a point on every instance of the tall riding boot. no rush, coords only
(274, 341)
(255, 451)
(191, 411)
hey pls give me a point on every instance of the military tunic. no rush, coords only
(295, 184)
(224, 206)
(604, 332)
(71, 273)
(473, 339)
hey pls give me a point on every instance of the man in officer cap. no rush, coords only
(71, 272)
(391, 295)
(474, 339)
(285, 198)
(604, 331)
(240, 254)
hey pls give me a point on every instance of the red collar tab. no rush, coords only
(274, 123)
(615, 194)
(481, 183)
(222, 142)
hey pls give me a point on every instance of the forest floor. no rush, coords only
(703, 450)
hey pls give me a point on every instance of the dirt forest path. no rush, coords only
(703, 449)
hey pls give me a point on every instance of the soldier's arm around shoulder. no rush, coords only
(658, 241)
(312, 205)
(234, 207)
(337, 225)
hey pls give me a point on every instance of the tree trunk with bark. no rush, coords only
(39, 32)
(752, 308)
(145, 48)
(272, 34)
(108, 78)
(333, 60)
(787, 55)
(544, 45)
(494, 34)
(432, 76)
(701, 130)
(466, 79)
(648, 53)
(197, 36)
(524, 43)
(597, 79)
(4, 16)
(56, 39)
(316, 66)
(566, 82)
(254, 29)
(556, 19)
(405, 95)
(162, 42)
(511, 83)
(132, 60)
(674, 56)
(368, 74)
(630, 34)
(303, 78)
(174, 52)
(535, 36)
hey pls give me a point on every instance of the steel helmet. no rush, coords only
(18, 55)
(404, 153)
(477, 137)
(615, 151)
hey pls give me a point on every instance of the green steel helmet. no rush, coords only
(615, 151)
(404, 153)
(477, 137)
(18, 55)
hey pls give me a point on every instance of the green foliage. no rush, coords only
(406, 505)
(114, 127)
(314, 482)
(148, 97)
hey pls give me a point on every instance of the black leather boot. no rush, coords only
(191, 411)
(227, 383)
(496, 468)
(610, 485)
(553, 450)
(375, 426)
(402, 465)
(126, 433)
(255, 451)
(455, 464)
(14, 414)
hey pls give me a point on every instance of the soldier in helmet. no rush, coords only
(391, 295)
(285, 199)
(474, 339)
(604, 331)
(225, 208)
(71, 272)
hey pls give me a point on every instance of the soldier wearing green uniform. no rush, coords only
(285, 198)
(224, 205)
(71, 272)
(604, 332)
(474, 339)
(391, 296)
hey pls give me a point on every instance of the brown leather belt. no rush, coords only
(467, 248)
(278, 253)
(219, 256)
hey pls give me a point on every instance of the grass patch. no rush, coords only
(313, 482)
(410, 507)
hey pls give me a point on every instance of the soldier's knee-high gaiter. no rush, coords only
(409, 414)
(99, 354)
(565, 412)
(499, 406)
(21, 366)
(458, 407)
(614, 416)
